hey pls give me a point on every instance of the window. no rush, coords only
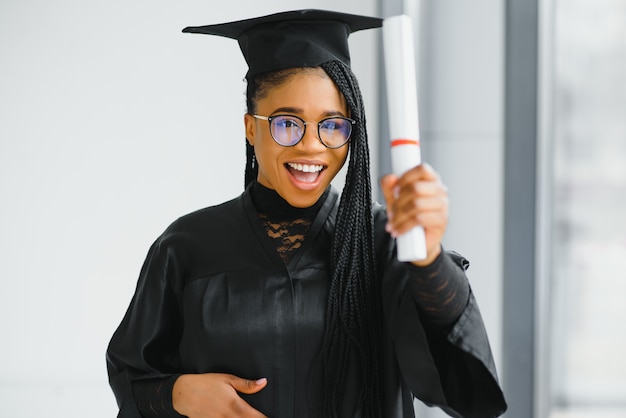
(587, 219)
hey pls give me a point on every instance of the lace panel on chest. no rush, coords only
(288, 236)
(285, 225)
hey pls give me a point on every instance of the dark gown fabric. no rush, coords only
(215, 296)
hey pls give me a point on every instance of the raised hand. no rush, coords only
(418, 197)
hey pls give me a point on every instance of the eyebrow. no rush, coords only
(298, 110)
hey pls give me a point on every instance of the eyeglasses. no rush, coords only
(288, 130)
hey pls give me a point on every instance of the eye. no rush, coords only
(287, 122)
(334, 124)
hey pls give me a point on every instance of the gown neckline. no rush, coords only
(277, 206)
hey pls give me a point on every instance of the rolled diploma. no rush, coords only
(403, 117)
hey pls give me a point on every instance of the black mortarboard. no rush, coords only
(301, 38)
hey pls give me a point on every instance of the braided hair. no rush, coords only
(353, 315)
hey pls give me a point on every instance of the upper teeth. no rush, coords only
(307, 168)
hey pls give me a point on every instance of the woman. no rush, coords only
(289, 301)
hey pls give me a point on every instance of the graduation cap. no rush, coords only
(300, 38)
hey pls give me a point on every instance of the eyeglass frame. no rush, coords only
(305, 123)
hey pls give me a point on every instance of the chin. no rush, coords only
(303, 200)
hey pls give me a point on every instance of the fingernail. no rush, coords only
(261, 381)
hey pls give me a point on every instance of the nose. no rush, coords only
(311, 143)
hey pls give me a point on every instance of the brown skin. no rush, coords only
(313, 96)
(416, 198)
(215, 395)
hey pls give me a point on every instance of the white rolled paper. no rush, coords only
(399, 54)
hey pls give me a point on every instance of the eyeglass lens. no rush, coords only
(289, 130)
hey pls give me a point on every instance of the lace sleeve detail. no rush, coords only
(154, 397)
(442, 292)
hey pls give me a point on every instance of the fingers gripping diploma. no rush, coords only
(418, 197)
(215, 395)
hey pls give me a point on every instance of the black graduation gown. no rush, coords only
(214, 296)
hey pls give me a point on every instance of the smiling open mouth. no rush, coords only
(306, 173)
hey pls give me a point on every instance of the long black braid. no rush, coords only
(353, 317)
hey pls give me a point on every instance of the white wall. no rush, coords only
(112, 124)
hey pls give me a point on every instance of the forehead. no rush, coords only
(307, 89)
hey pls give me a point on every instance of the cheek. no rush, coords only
(267, 153)
(342, 156)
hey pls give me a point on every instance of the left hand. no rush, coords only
(418, 197)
